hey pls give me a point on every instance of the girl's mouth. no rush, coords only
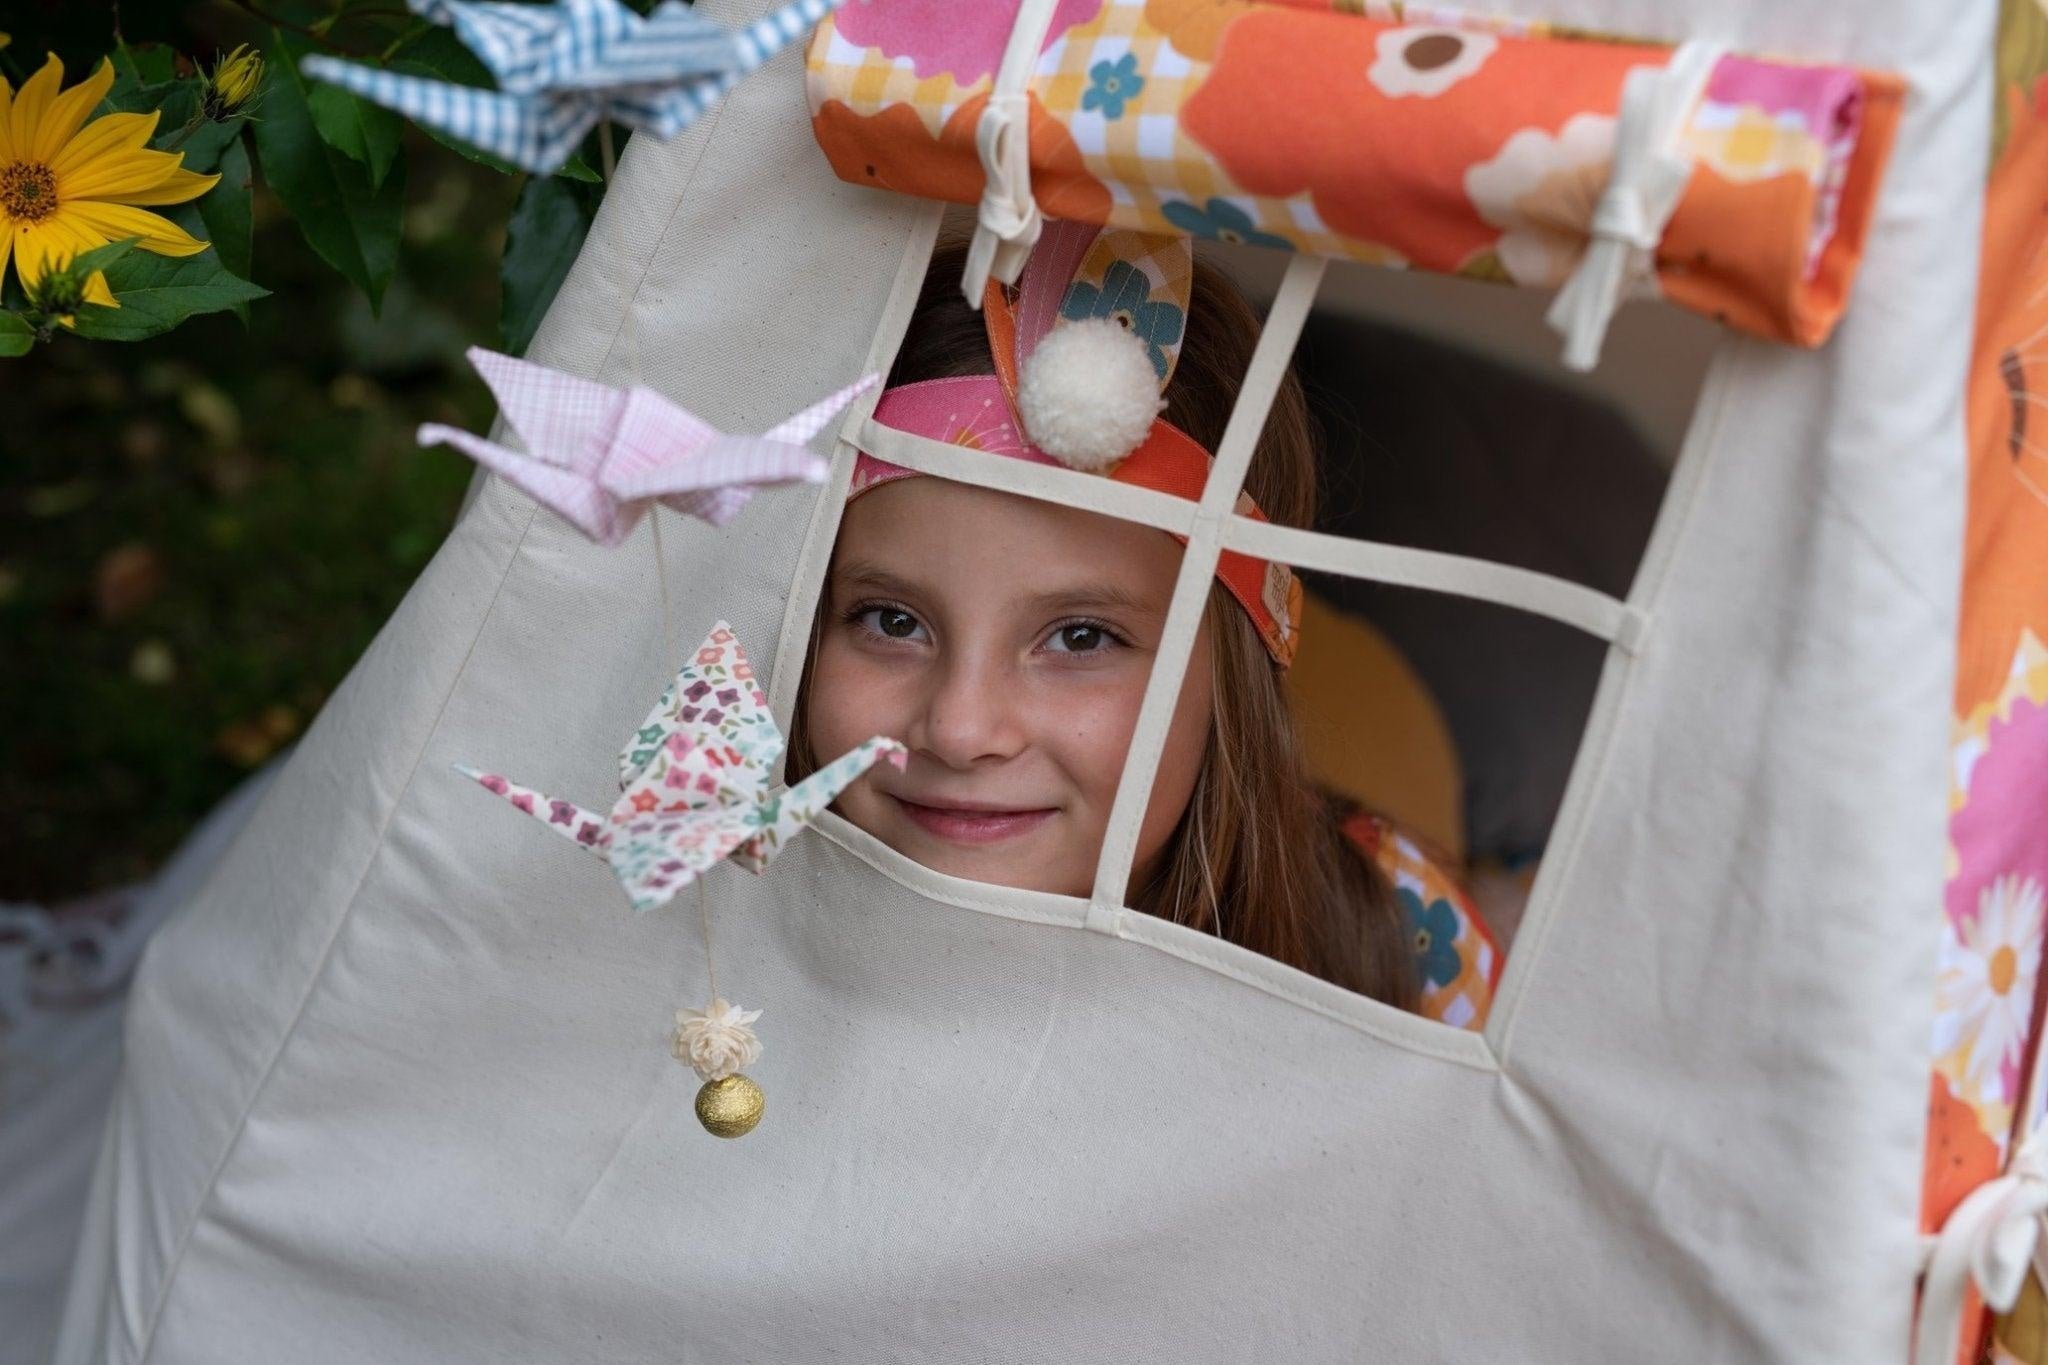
(974, 824)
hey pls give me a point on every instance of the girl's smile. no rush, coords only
(970, 824)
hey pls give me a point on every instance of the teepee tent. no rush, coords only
(397, 1083)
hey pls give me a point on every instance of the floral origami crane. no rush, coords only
(695, 782)
(563, 67)
(599, 455)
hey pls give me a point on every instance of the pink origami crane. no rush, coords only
(600, 455)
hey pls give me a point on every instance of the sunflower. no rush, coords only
(67, 186)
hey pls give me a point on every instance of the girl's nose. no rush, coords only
(970, 714)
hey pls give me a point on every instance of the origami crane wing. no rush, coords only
(566, 818)
(561, 67)
(564, 418)
(715, 479)
(779, 818)
(527, 46)
(714, 705)
(535, 132)
(566, 422)
(672, 43)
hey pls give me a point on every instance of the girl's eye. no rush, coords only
(1079, 637)
(891, 623)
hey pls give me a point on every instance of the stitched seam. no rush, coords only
(1218, 958)
(320, 969)
(1645, 595)
(341, 923)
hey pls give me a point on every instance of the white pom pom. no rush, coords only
(1088, 394)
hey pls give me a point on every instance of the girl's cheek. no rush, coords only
(1087, 723)
(851, 698)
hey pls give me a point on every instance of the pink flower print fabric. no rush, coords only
(694, 782)
(945, 37)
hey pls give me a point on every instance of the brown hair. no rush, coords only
(1258, 856)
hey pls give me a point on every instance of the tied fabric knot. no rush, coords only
(1991, 1240)
(1651, 168)
(1008, 222)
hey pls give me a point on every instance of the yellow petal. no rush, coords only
(97, 291)
(119, 175)
(61, 241)
(30, 101)
(6, 238)
(115, 221)
(48, 243)
(175, 188)
(6, 117)
(112, 135)
(67, 113)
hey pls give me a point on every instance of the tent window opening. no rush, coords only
(987, 633)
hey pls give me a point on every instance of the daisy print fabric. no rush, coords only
(1987, 975)
(1436, 141)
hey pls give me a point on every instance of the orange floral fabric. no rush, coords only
(1424, 140)
(1986, 1036)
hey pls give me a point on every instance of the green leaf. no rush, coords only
(352, 225)
(101, 257)
(204, 145)
(225, 209)
(127, 95)
(156, 293)
(548, 225)
(437, 54)
(358, 129)
(147, 63)
(17, 337)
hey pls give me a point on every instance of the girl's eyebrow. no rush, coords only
(868, 575)
(1081, 597)
(1096, 597)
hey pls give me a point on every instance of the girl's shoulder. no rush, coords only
(1456, 957)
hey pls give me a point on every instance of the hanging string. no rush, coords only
(704, 913)
(629, 346)
(672, 654)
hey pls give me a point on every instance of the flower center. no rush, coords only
(28, 190)
(2005, 965)
(1433, 50)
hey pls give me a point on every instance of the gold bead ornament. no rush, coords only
(730, 1107)
(716, 1042)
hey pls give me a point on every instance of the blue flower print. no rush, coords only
(1221, 221)
(1433, 934)
(1111, 83)
(1126, 297)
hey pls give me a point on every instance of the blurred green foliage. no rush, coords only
(200, 532)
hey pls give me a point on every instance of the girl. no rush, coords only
(1007, 641)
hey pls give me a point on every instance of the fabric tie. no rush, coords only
(1651, 168)
(1990, 1240)
(1008, 222)
(1007, 225)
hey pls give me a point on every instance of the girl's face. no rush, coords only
(1007, 642)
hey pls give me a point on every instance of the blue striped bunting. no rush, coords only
(561, 68)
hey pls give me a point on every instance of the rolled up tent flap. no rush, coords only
(1432, 142)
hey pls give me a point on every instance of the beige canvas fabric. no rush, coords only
(397, 1085)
